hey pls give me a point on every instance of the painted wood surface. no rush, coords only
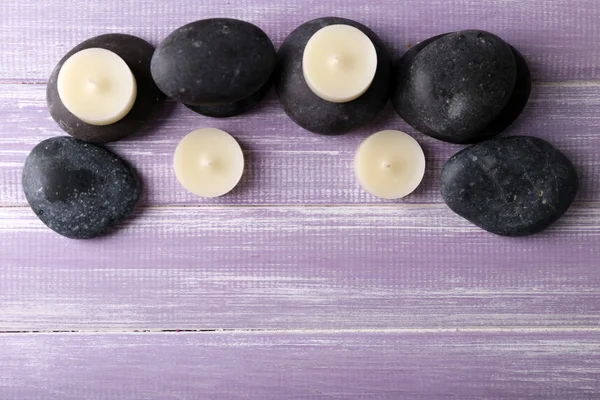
(287, 165)
(362, 298)
(374, 366)
(560, 39)
(298, 268)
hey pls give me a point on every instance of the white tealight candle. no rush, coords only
(389, 164)
(208, 162)
(97, 86)
(339, 63)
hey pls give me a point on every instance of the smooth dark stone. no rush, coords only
(514, 186)
(137, 53)
(516, 104)
(310, 111)
(213, 61)
(400, 81)
(461, 87)
(78, 189)
(232, 109)
(402, 67)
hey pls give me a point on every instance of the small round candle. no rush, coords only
(97, 86)
(208, 162)
(339, 63)
(389, 164)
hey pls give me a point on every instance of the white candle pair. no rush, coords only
(209, 163)
(339, 65)
(97, 86)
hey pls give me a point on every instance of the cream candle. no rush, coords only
(389, 164)
(208, 162)
(339, 63)
(97, 86)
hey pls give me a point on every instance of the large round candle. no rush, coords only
(97, 86)
(339, 63)
(208, 162)
(389, 164)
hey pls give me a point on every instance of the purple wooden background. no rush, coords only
(309, 288)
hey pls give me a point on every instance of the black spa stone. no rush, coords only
(78, 189)
(137, 53)
(310, 111)
(227, 110)
(514, 186)
(461, 87)
(213, 62)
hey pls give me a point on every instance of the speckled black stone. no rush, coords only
(461, 87)
(213, 62)
(137, 53)
(310, 111)
(514, 186)
(78, 189)
(232, 109)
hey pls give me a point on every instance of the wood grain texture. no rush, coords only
(300, 366)
(287, 165)
(299, 268)
(561, 39)
(365, 299)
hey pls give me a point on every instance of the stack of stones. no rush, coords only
(467, 87)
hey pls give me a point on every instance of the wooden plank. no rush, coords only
(299, 268)
(300, 366)
(460, 313)
(287, 165)
(561, 39)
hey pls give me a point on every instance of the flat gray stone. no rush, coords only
(514, 186)
(78, 189)
(213, 62)
(461, 87)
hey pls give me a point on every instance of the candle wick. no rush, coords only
(207, 163)
(386, 164)
(93, 82)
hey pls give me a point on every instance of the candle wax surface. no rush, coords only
(97, 86)
(208, 162)
(339, 63)
(389, 164)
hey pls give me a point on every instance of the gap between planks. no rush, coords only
(399, 331)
